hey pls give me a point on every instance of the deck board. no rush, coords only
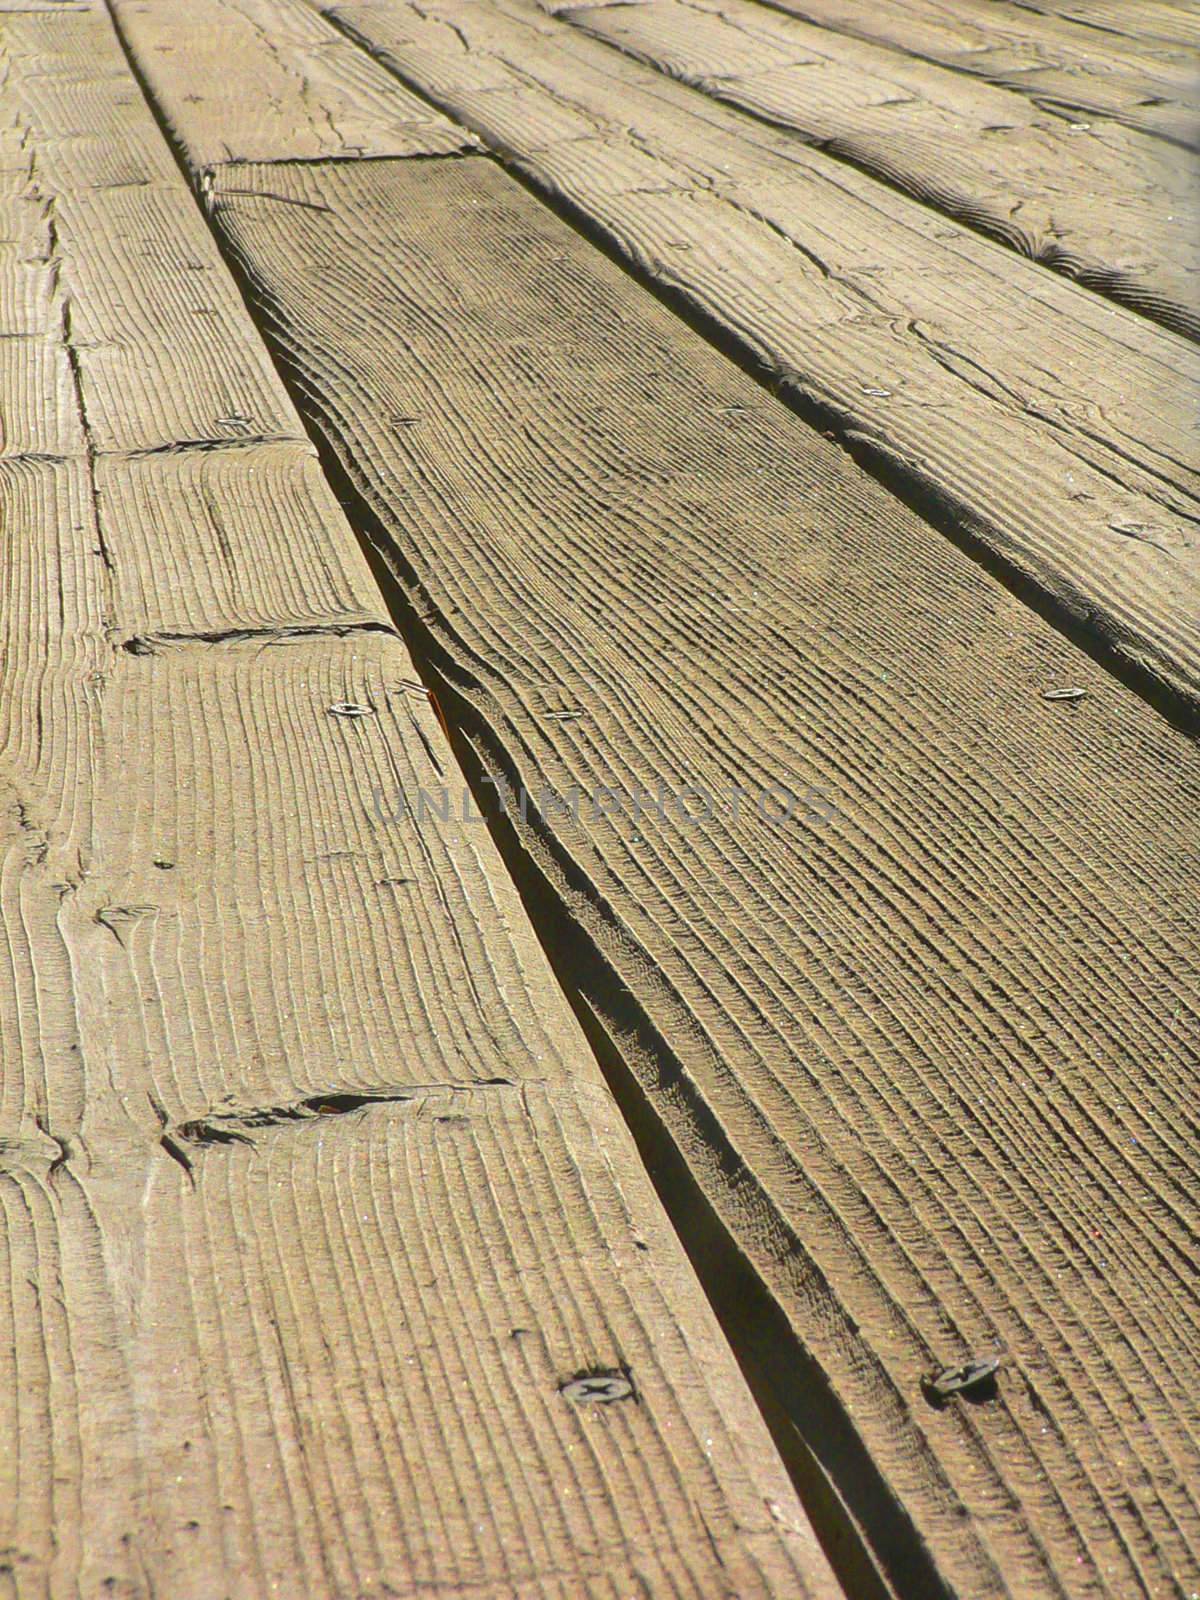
(1171, 21)
(1126, 75)
(342, 1342)
(1033, 420)
(312, 1193)
(1105, 205)
(876, 1036)
(268, 83)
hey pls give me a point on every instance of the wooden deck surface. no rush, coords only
(594, 594)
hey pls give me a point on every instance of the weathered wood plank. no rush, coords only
(904, 1047)
(329, 1360)
(266, 80)
(205, 918)
(162, 345)
(192, 542)
(1031, 418)
(205, 914)
(1105, 205)
(135, 375)
(1069, 69)
(254, 1341)
(236, 814)
(1171, 21)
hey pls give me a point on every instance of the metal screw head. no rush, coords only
(347, 708)
(597, 1388)
(976, 1376)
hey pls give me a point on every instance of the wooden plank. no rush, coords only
(285, 1307)
(1105, 205)
(269, 81)
(238, 539)
(329, 1359)
(901, 1041)
(1038, 424)
(213, 927)
(1171, 21)
(272, 808)
(191, 544)
(161, 343)
(1072, 71)
(133, 374)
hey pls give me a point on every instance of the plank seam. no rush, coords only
(471, 147)
(863, 1527)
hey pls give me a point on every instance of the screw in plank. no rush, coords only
(975, 1377)
(597, 1388)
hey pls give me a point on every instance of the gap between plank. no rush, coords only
(875, 1551)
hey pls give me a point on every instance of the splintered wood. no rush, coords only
(314, 1207)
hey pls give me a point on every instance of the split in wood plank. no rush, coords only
(1106, 205)
(905, 1048)
(314, 1201)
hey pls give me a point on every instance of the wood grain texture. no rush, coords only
(267, 80)
(327, 1359)
(1103, 204)
(1033, 419)
(160, 345)
(285, 1307)
(298, 938)
(927, 1056)
(1129, 76)
(1171, 21)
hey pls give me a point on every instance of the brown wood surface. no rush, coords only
(925, 1049)
(1025, 415)
(312, 1196)
(1104, 204)
(1172, 21)
(1126, 74)
(268, 81)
